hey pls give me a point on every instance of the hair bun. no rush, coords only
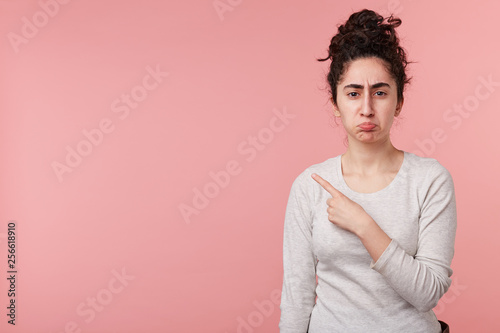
(367, 29)
(367, 34)
(366, 20)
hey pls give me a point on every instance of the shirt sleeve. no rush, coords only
(424, 278)
(299, 262)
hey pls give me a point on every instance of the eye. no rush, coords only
(352, 94)
(380, 93)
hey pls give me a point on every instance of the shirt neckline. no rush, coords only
(395, 180)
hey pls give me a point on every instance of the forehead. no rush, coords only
(370, 70)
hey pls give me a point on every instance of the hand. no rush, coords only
(342, 211)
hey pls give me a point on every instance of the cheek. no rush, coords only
(389, 120)
(387, 110)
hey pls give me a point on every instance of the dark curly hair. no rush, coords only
(365, 35)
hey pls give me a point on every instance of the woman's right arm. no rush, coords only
(298, 294)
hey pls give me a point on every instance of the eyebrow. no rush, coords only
(373, 86)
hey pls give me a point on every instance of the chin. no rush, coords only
(367, 136)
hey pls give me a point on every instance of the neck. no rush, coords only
(372, 158)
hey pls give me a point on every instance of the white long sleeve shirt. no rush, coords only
(417, 210)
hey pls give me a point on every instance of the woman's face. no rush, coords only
(367, 101)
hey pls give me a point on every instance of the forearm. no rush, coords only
(420, 280)
(374, 239)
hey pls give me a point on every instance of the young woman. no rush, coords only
(376, 225)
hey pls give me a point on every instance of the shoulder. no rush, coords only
(431, 179)
(306, 184)
(322, 168)
(426, 169)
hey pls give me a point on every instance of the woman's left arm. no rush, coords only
(421, 279)
(424, 278)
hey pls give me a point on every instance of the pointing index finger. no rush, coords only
(326, 185)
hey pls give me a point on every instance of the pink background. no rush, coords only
(229, 73)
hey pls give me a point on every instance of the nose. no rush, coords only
(367, 107)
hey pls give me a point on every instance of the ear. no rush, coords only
(336, 111)
(399, 107)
